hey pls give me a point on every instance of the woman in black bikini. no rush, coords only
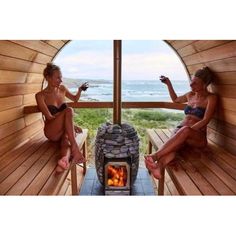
(59, 117)
(192, 130)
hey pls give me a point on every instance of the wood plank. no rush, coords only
(153, 137)
(223, 164)
(226, 91)
(178, 44)
(220, 152)
(226, 116)
(8, 48)
(213, 179)
(202, 184)
(58, 44)
(223, 127)
(34, 150)
(29, 99)
(227, 50)
(37, 45)
(41, 179)
(11, 127)
(225, 78)
(13, 64)
(7, 90)
(10, 102)
(173, 190)
(64, 188)
(31, 118)
(15, 77)
(224, 65)
(227, 103)
(12, 141)
(13, 154)
(23, 182)
(188, 50)
(11, 114)
(229, 144)
(20, 168)
(201, 45)
(34, 78)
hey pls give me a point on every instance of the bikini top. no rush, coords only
(197, 111)
(54, 110)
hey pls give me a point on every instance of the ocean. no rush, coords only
(137, 91)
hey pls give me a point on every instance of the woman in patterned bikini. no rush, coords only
(192, 131)
(59, 117)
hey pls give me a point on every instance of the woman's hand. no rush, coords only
(84, 86)
(165, 80)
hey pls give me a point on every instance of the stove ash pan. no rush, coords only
(115, 141)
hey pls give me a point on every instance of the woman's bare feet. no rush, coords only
(153, 167)
(78, 157)
(149, 162)
(157, 173)
(62, 164)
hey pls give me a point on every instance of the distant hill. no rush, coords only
(73, 83)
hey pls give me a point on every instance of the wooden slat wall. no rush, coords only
(21, 67)
(220, 56)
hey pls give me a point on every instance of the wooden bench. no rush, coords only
(30, 168)
(211, 171)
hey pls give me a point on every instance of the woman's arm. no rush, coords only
(43, 107)
(210, 109)
(173, 95)
(70, 95)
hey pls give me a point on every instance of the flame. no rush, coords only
(117, 176)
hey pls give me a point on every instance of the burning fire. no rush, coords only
(117, 176)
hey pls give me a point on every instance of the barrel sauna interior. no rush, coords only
(21, 67)
(22, 64)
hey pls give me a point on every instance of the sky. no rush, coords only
(141, 60)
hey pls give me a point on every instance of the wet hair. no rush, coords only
(205, 74)
(49, 69)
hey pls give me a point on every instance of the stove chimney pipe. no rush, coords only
(117, 83)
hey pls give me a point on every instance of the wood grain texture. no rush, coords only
(11, 114)
(10, 102)
(13, 64)
(225, 65)
(7, 90)
(10, 49)
(227, 50)
(58, 44)
(15, 139)
(9, 77)
(178, 44)
(199, 46)
(38, 46)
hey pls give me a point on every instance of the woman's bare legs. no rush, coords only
(63, 163)
(184, 135)
(167, 152)
(63, 123)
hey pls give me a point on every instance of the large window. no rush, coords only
(88, 61)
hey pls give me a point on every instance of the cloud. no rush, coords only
(99, 64)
